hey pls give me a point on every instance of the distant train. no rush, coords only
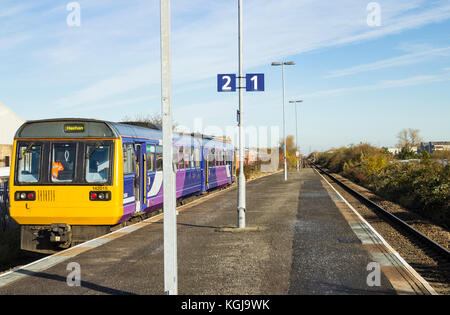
(73, 179)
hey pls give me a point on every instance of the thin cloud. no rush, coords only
(392, 62)
(385, 84)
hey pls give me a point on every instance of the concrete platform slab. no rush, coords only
(298, 242)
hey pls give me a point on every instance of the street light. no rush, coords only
(296, 129)
(282, 64)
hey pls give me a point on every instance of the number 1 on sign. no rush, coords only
(255, 82)
(254, 79)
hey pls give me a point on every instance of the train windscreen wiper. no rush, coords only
(26, 150)
(96, 146)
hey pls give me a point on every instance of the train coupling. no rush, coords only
(61, 234)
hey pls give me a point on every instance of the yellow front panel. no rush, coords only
(70, 204)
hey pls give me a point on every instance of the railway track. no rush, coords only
(429, 258)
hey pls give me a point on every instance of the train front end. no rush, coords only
(64, 184)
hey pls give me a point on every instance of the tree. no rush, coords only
(408, 138)
(414, 137)
(290, 151)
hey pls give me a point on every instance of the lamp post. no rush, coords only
(282, 64)
(170, 217)
(241, 178)
(296, 128)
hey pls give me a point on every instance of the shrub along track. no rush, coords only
(431, 264)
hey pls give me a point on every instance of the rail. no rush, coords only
(425, 239)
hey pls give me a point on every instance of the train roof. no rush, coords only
(61, 128)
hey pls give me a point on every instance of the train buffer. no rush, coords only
(300, 239)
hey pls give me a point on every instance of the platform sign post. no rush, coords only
(169, 201)
(227, 83)
(241, 179)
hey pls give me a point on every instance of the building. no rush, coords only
(392, 150)
(9, 123)
(430, 147)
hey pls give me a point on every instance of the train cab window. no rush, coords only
(29, 163)
(97, 163)
(150, 158)
(63, 162)
(181, 158)
(128, 158)
(159, 158)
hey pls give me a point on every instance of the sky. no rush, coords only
(364, 70)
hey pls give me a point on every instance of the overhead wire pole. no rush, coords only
(241, 179)
(169, 206)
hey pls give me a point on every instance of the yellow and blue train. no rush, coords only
(74, 179)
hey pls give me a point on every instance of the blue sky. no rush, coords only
(358, 82)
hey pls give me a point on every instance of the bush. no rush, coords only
(423, 187)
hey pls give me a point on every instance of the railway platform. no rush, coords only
(302, 238)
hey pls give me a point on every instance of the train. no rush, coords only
(76, 179)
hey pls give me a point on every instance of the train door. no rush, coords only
(206, 168)
(139, 179)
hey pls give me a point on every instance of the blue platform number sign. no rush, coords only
(226, 83)
(254, 82)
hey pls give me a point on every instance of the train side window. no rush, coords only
(150, 158)
(63, 162)
(159, 158)
(181, 158)
(219, 157)
(187, 157)
(192, 157)
(128, 158)
(212, 157)
(175, 159)
(197, 157)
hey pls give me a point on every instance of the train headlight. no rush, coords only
(100, 196)
(25, 196)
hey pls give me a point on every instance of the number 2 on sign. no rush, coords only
(226, 86)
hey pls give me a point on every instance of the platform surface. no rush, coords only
(299, 241)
